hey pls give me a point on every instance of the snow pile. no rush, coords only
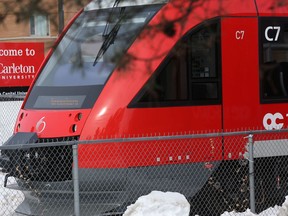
(159, 203)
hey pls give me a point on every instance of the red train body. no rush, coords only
(189, 66)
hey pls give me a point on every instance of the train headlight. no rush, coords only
(18, 127)
(79, 116)
(74, 128)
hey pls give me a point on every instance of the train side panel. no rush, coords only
(240, 79)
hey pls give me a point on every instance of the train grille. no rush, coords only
(47, 164)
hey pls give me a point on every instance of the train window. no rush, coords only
(203, 53)
(203, 59)
(170, 85)
(87, 55)
(189, 75)
(274, 60)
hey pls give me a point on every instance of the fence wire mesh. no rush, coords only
(217, 172)
(65, 176)
(9, 108)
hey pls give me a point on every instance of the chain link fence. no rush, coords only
(217, 173)
(9, 108)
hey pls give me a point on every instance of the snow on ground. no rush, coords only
(9, 199)
(154, 204)
(268, 212)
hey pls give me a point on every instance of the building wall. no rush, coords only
(15, 23)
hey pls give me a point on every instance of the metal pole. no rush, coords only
(76, 180)
(251, 174)
(60, 16)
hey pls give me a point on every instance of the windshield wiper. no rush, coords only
(108, 21)
(110, 37)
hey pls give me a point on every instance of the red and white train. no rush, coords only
(155, 67)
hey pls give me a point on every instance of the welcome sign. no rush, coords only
(19, 63)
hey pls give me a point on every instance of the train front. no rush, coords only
(59, 103)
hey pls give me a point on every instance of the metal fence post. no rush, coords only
(76, 180)
(251, 174)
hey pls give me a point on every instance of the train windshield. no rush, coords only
(84, 59)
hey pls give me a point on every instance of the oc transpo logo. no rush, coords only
(41, 125)
(273, 121)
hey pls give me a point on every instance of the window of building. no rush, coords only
(190, 75)
(39, 25)
(273, 60)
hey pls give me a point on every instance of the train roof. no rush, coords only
(233, 7)
(96, 4)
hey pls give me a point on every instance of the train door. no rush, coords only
(240, 80)
(273, 58)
